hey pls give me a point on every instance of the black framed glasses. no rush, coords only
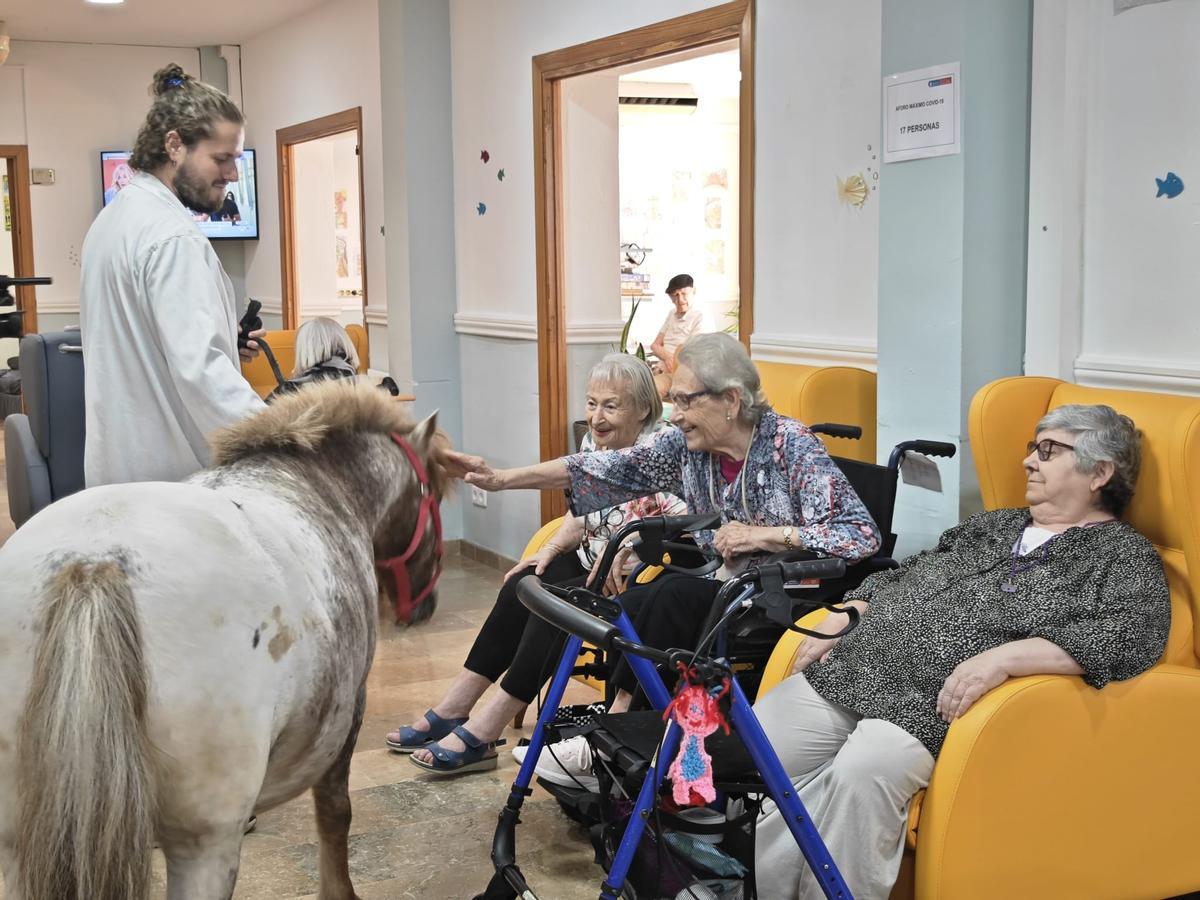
(1045, 448)
(682, 401)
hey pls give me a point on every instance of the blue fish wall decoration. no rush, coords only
(1172, 186)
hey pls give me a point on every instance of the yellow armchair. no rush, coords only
(815, 394)
(1048, 788)
(283, 345)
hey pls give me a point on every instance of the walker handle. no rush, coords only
(561, 614)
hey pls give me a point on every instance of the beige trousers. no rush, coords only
(855, 776)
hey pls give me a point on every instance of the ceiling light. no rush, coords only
(106, 2)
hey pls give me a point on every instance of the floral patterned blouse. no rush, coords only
(787, 479)
(600, 525)
(1099, 593)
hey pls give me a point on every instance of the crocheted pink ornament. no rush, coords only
(698, 714)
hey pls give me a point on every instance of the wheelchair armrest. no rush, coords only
(26, 470)
(1045, 783)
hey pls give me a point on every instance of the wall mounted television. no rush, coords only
(237, 220)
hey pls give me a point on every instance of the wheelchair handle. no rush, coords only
(833, 429)
(680, 524)
(929, 448)
(803, 569)
(661, 525)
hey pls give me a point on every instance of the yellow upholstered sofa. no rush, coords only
(1047, 788)
(815, 394)
(283, 345)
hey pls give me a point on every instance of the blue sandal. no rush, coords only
(478, 757)
(411, 739)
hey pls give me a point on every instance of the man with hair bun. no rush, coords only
(158, 314)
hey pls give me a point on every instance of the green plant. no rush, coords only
(732, 313)
(640, 353)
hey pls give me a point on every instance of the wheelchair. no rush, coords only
(751, 640)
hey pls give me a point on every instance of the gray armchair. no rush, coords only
(43, 449)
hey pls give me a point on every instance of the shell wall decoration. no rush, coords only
(853, 190)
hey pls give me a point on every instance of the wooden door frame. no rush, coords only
(18, 190)
(285, 140)
(710, 26)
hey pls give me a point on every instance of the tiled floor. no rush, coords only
(414, 836)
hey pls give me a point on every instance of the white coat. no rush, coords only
(158, 318)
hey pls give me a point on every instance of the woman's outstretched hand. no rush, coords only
(471, 469)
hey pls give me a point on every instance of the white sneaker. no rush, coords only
(567, 763)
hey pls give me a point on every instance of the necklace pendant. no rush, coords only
(1008, 586)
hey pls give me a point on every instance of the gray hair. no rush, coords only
(721, 363)
(1101, 434)
(622, 368)
(320, 340)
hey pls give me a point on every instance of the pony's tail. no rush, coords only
(86, 792)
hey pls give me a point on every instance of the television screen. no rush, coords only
(237, 219)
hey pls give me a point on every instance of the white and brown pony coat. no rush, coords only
(174, 657)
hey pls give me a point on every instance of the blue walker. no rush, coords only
(587, 616)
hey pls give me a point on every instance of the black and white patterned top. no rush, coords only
(1099, 593)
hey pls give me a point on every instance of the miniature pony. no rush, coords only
(176, 657)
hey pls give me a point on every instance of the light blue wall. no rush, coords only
(419, 186)
(951, 244)
(995, 241)
(500, 379)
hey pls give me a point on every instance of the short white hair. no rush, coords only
(320, 340)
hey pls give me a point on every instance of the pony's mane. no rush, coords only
(303, 420)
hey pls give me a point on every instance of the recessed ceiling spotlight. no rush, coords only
(106, 2)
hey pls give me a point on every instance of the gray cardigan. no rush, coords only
(1099, 593)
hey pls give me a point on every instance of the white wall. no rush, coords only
(1113, 269)
(817, 118)
(68, 102)
(323, 62)
(817, 77)
(590, 231)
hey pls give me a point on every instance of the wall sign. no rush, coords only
(922, 113)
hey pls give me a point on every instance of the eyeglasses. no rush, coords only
(683, 402)
(1045, 448)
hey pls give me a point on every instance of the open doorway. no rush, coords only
(566, 85)
(321, 220)
(678, 122)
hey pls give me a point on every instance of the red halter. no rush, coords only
(406, 604)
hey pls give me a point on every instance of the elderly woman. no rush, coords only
(768, 476)
(623, 408)
(1063, 587)
(323, 350)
